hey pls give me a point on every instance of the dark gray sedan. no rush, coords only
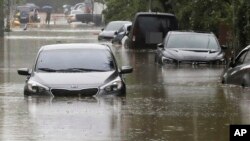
(238, 72)
(189, 47)
(75, 70)
(108, 32)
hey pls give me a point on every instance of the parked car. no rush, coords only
(26, 14)
(75, 69)
(238, 72)
(189, 47)
(23, 13)
(121, 33)
(149, 29)
(108, 32)
(83, 12)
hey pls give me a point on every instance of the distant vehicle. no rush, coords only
(66, 9)
(23, 13)
(119, 35)
(149, 29)
(79, 8)
(108, 32)
(83, 12)
(238, 72)
(75, 70)
(189, 47)
(26, 14)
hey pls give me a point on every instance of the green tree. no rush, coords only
(243, 22)
(123, 9)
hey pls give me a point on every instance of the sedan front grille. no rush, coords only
(82, 92)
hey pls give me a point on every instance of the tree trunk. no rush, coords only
(1, 18)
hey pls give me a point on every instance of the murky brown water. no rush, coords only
(162, 103)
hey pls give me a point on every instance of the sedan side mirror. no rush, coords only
(102, 29)
(224, 47)
(129, 28)
(116, 32)
(23, 71)
(126, 69)
(160, 45)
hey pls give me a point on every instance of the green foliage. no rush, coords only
(205, 15)
(243, 22)
(123, 9)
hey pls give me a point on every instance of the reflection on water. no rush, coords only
(47, 118)
(162, 103)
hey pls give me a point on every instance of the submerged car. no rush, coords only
(149, 29)
(121, 33)
(189, 47)
(108, 32)
(238, 72)
(75, 70)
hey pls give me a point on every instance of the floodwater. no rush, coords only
(163, 103)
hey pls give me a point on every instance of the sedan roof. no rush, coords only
(75, 46)
(190, 32)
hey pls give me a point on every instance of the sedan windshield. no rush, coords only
(114, 26)
(77, 60)
(192, 41)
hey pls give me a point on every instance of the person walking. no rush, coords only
(48, 16)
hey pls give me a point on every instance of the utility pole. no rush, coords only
(234, 28)
(150, 6)
(7, 29)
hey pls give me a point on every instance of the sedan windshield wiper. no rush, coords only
(79, 70)
(47, 69)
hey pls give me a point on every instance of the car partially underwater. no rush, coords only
(189, 47)
(75, 69)
(238, 72)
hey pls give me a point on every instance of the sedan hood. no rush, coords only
(192, 54)
(106, 33)
(78, 80)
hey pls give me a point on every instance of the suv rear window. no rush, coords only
(149, 29)
(156, 23)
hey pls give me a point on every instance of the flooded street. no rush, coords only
(163, 103)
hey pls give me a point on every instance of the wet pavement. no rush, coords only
(162, 103)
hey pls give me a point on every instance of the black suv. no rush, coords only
(149, 29)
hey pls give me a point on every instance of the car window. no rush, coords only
(114, 26)
(191, 41)
(121, 29)
(87, 59)
(155, 24)
(240, 59)
(213, 43)
(247, 58)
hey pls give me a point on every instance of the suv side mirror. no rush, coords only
(116, 32)
(102, 29)
(23, 71)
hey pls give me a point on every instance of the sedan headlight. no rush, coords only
(112, 86)
(36, 87)
(167, 60)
